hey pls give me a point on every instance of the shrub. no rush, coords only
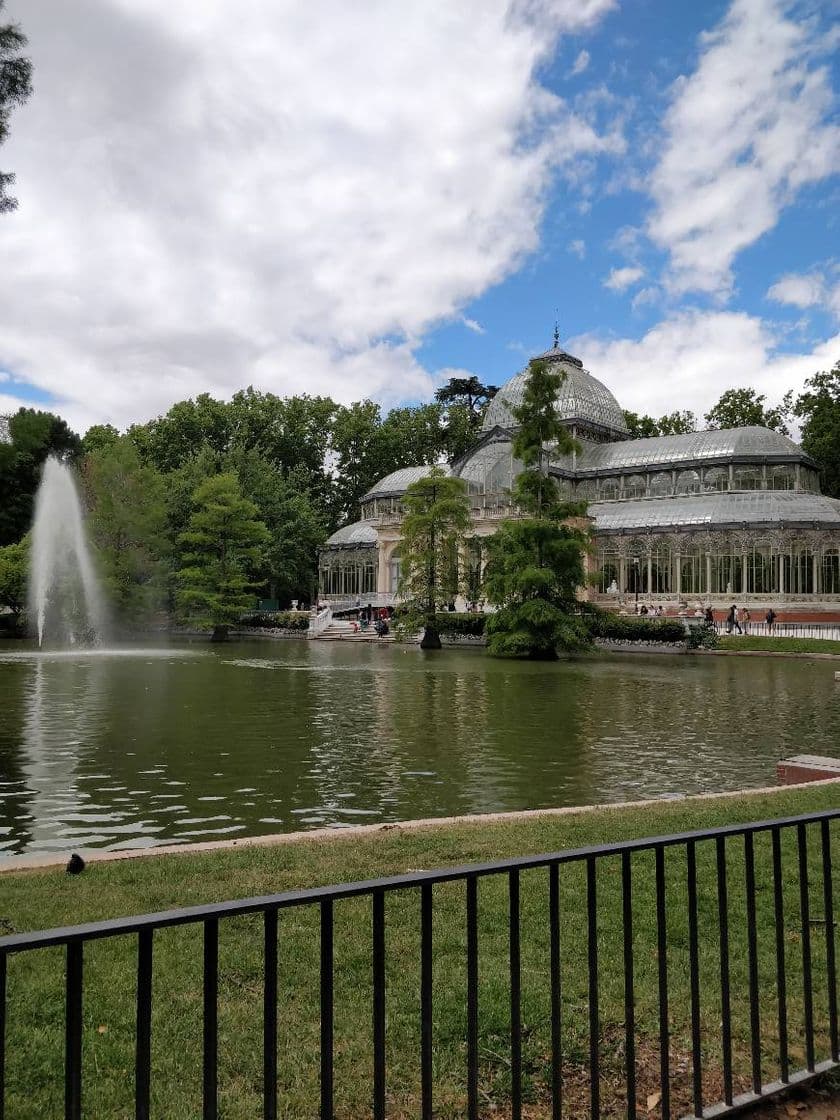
(451, 622)
(618, 628)
(275, 620)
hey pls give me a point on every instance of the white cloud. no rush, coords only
(280, 199)
(581, 62)
(621, 278)
(742, 135)
(809, 289)
(691, 358)
(801, 290)
(473, 325)
(578, 247)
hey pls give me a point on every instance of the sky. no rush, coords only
(365, 199)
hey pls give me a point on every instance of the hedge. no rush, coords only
(618, 628)
(275, 620)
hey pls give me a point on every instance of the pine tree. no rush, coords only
(536, 563)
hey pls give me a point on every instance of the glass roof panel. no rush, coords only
(732, 508)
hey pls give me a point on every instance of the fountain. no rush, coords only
(65, 599)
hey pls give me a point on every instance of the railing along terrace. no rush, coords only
(680, 974)
(824, 631)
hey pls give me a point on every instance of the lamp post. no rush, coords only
(636, 580)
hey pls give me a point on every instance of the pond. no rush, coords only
(143, 747)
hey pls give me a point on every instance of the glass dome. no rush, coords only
(581, 398)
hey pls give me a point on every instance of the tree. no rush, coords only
(466, 400)
(535, 562)
(437, 517)
(743, 408)
(127, 524)
(15, 88)
(671, 424)
(14, 576)
(222, 545)
(100, 436)
(818, 407)
(33, 436)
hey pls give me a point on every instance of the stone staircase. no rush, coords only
(340, 631)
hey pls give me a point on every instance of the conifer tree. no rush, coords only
(535, 563)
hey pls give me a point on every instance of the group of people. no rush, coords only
(654, 612)
(738, 618)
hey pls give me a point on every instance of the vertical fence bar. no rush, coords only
(828, 906)
(805, 912)
(662, 958)
(327, 1009)
(472, 998)
(556, 993)
(694, 978)
(378, 900)
(143, 1042)
(2, 1036)
(629, 987)
(752, 958)
(211, 1020)
(725, 1005)
(270, 1015)
(73, 1033)
(594, 1021)
(426, 1000)
(515, 998)
(781, 974)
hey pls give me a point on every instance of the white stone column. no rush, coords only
(744, 573)
(622, 574)
(649, 573)
(781, 573)
(381, 571)
(678, 575)
(708, 573)
(815, 569)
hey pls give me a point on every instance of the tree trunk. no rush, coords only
(431, 638)
(543, 655)
(220, 634)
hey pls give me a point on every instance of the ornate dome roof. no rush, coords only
(396, 483)
(360, 533)
(582, 397)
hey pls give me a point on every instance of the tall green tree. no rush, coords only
(536, 561)
(437, 518)
(127, 524)
(32, 437)
(15, 88)
(818, 408)
(14, 576)
(222, 546)
(744, 408)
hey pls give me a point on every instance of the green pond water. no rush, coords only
(145, 747)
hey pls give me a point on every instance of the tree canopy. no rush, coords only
(437, 518)
(671, 424)
(33, 437)
(743, 408)
(15, 88)
(818, 407)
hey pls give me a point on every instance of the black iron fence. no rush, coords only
(684, 974)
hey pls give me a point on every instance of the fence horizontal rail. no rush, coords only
(565, 982)
(89, 931)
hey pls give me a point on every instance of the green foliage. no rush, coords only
(671, 424)
(33, 436)
(703, 636)
(15, 88)
(465, 400)
(743, 408)
(456, 622)
(222, 545)
(437, 517)
(818, 407)
(275, 620)
(127, 524)
(611, 627)
(535, 563)
(14, 573)
(99, 437)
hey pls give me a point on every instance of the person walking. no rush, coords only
(732, 621)
(746, 614)
(770, 619)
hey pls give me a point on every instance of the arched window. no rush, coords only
(692, 571)
(831, 571)
(715, 478)
(609, 569)
(608, 489)
(394, 571)
(688, 482)
(634, 486)
(660, 569)
(585, 488)
(660, 484)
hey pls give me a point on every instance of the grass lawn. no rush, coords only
(779, 645)
(39, 899)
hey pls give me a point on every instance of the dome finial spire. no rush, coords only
(556, 335)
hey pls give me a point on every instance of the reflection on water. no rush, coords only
(138, 748)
